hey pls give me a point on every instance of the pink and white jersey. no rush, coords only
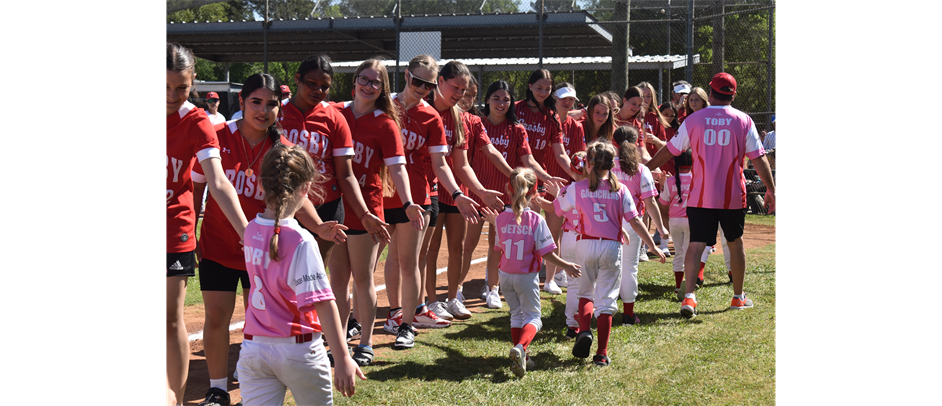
(600, 211)
(640, 185)
(571, 217)
(281, 301)
(668, 196)
(719, 137)
(524, 244)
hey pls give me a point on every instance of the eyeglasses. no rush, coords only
(212, 101)
(375, 84)
(417, 82)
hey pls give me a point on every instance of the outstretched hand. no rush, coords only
(331, 231)
(376, 227)
(468, 208)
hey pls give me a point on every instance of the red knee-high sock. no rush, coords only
(678, 279)
(605, 328)
(526, 336)
(515, 334)
(586, 307)
(629, 309)
(700, 275)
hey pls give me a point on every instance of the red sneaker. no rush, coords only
(688, 308)
(740, 304)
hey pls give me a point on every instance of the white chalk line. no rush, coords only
(236, 326)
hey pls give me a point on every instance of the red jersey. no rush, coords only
(633, 122)
(653, 126)
(511, 142)
(324, 134)
(448, 123)
(190, 138)
(218, 241)
(424, 134)
(376, 142)
(542, 131)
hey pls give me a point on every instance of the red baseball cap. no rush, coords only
(212, 95)
(723, 83)
(285, 89)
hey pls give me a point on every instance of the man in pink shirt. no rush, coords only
(719, 137)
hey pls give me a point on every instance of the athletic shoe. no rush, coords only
(699, 283)
(644, 254)
(216, 397)
(460, 296)
(571, 332)
(680, 294)
(427, 319)
(664, 249)
(493, 299)
(627, 320)
(601, 360)
(439, 309)
(405, 338)
(688, 308)
(393, 320)
(740, 304)
(353, 329)
(551, 288)
(583, 345)
(561, 279)
(456, 308)
(518, 363)
(712, 249)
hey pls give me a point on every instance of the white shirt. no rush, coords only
(236, 116)
(217, 118)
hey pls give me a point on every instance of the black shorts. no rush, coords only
(398, 216)
(433, 219)
(331, 211)
(181, 263)
(703, 223)
(218, 278)
(447, 208)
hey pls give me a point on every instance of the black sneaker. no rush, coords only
(627, 320)
(405, 338)
(216, 397)
(353, 329)
(601, 360)
(699, 283)
(583, 345)
(571, 333)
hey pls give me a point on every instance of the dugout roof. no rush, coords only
(516, 35)
(527, 64)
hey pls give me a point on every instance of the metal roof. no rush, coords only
(569, 34)
(553, 63)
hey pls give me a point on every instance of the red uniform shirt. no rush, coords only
(323, 133)
(424, 134)
(633, 122)
(653, 126)
(448, 123)
(511, 142)
(376, 141)
(542, 131)
(218, 241)
(573, 141)
(190, 139)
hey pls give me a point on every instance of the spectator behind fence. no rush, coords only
(212, 102)
(768, 139)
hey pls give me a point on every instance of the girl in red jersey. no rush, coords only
(510, 139)
(464, 133)
(373, 120)
(291, 303)
(469, 102)
(190, 139)
(537, 113)
(222, 265)
(670, 117)
(654, 139)
(600, 122)
(631, 113)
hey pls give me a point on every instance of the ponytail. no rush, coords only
(601, 155)
(685, 159)
(522, 187)
(626, 137)
(285, 170)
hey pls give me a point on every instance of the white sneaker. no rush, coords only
(493, 299)
(561, 279)
(664, 249)
(427, 319)
(551, 288)
(518, 363)
(644, 254)
(460, 296)
(439, 309)
(392, 322)
(457, 309)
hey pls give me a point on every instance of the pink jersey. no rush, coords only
(571, 217)
(283, 293)
(669, 195)
(719, 137)
(190, 140)
(601, 210)
(523, 244)
(640, 185)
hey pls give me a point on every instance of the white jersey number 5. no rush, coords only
(600, 214)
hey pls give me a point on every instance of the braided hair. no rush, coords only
(285, 170)
(685, 159)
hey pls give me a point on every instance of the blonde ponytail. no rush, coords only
(522, 186)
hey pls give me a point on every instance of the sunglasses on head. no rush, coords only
(375, 84)
(417, 82)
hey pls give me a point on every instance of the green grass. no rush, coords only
(720, 357)
(760, 220)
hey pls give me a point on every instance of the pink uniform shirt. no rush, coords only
(600, 211)
(640, 185)
(542, 132)
(283, 293)
(523, 245)
(571, 217)
(719, 137)
(669, 195)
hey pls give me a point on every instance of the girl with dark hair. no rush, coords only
(464, 133)
(469, 102)
(674, 197)
(631, 113)
(190, 139)
(222, 267)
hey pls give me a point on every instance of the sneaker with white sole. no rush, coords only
(688, 308)
(439, 309)
(427, 319)
(664, 249)
(460, 296)
(551, 288)
(457, 309)
(561, 279)
(643, 255)
(518, 361)
(739, 304)
(393, 320)
(216, 397)
(405, 338)
(493, 299)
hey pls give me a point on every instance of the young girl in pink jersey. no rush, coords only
(674, 198)
(601, 201)
(291, 302)
(524, 239)
(567, 248)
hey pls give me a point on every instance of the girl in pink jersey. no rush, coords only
(674, 198)
(465, 134)
(190, 139)
(567, 248)
(290, 302)
(524, 239)
(601, 201)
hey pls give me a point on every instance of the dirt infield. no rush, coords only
(198, 379)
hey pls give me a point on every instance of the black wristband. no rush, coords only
(406, 205)
(457, 193)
